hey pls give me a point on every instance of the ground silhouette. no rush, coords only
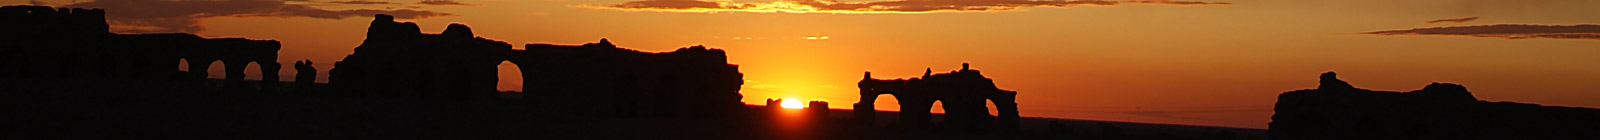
(1337, 110)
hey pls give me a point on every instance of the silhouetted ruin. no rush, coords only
(42, 42)
(399, 61)
(818, 109)
(305, 77)
(774, 103)
(963, 93)
(1337, 110)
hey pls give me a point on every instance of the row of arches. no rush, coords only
(963, 95)
(148, 57)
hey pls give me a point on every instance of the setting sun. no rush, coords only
(792, 104)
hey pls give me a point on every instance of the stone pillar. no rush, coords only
(959, 114)
(914, 111)
(269, 76)
(233, 73)
(865, 112)
(197, 70)
(1006, 105)
(305, 77)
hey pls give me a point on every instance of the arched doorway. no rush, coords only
(249, 76)
(181, 74)
(866, 110)
(198, 71)
(509, 82)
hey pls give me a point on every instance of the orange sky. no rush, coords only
(1216, 64)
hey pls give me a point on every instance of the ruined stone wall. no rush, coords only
(1337, 110)
(963, 93)
(398, 61)
(41, 42)
(687, 82)
(597, 79)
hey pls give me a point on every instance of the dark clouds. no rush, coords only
(157, 16)
(442, 2)
(37, 2)
(1455, 20)
(897, 6)
(1508, 31)
(363, 2)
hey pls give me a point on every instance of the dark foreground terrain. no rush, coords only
(69, 108)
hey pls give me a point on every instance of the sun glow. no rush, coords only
(771, 7)
(792, 103)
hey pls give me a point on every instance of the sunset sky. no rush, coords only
(1200, 62)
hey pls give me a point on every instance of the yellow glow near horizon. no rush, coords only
(775, 7)
(792, 103)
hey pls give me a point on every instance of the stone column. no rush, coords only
(269, 75)
(305, 77)
(197, 70)
(914, 111)
(959, 114)
(1006, 105)
(865, 112)
(233, 76)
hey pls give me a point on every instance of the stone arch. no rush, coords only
(305, 77)
(915, 106)
(524, 65)
(175, 70)
(199, 69)
(866, 109)
(234, 72)
(501, 84)
(952, 113)
(269, 74)
(1005, 106)
(963, 95)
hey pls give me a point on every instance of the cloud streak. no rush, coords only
(895, 6)
(164, 16)
(1453, 20)
(1507, 31)
(442, 2)
(362, 2)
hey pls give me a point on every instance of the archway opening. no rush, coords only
(879, 102)
(183, 66)
(937, 112)
(214, 71)
(886, 102)
(994, 110)
(509, 81)
(252, 72)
